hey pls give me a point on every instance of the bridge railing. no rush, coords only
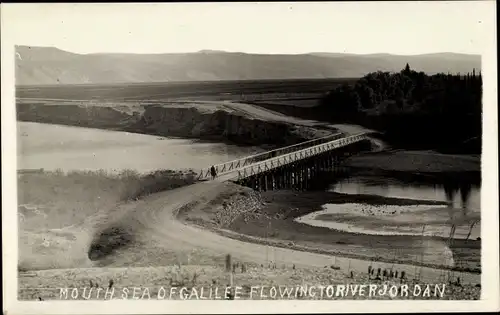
(298, 155)
(239, 163)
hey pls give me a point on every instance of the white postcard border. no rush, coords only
(489, 232)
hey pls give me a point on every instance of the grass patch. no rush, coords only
(64, 214)
(76, 194)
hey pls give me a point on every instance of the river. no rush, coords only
(393, 219)
(69, 148)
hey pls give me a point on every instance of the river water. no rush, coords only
(389, 219)
(69, 148)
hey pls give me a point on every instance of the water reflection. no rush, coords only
(463, 195)
(457, 217)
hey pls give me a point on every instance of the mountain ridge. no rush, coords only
(51, 65)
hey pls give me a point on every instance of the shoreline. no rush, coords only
(255, 233)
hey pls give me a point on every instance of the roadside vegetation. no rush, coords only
(127, 184)
(60, 214)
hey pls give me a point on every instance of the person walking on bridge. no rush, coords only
(213, 172)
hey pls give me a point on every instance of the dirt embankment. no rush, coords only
(200, 121)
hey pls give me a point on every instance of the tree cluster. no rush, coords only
(441, 111)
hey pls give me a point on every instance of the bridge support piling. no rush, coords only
(281, 178)
(306, 176)
(286, 183)
(276, 179)
(288, 177)
(285, 178)
(297, 179)
(301, 177)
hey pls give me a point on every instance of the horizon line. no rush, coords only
(207, 50)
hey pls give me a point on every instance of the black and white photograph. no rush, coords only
(308, 156)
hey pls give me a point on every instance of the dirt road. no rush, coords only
(161, 226)
(269, 115)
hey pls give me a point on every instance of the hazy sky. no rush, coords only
(351, 27)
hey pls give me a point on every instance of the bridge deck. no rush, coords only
(246, 161)
(287, 158)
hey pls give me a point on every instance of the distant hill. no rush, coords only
(48, 65)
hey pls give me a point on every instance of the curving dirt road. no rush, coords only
(160, 225)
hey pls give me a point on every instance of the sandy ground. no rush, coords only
(210, 282)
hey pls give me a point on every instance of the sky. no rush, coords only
(406, 28)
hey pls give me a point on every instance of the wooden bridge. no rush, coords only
(293, 160)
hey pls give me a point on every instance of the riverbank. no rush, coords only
(211, 121)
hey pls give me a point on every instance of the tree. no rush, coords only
(367, 96)
(407, 69)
